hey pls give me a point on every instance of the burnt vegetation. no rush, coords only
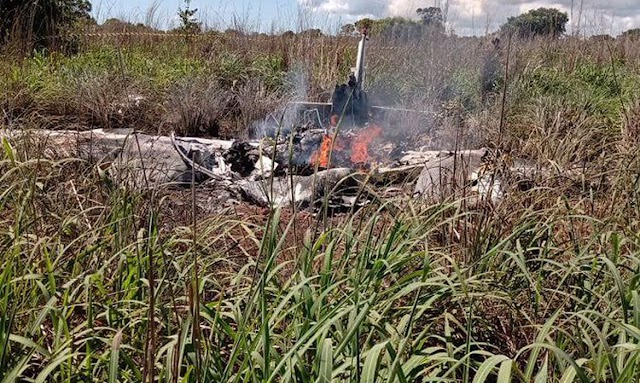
(107, 283)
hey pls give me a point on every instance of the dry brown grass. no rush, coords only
(554, 263)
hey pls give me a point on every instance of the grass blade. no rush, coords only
(115, 357)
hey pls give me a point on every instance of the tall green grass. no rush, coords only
(104, 284)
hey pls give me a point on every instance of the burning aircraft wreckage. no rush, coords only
(337, 152)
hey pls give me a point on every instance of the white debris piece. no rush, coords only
(222, 166)
(448, 176)
(488, 186)
(263, 168)
(297, 190)
(133, 101)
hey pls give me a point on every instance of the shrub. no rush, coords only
(541, 22)
(195, 105)
(38, 24)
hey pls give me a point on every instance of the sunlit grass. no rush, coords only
(102, 283)
(431, 293)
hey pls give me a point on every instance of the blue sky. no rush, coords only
(465, 17)
(263, 15)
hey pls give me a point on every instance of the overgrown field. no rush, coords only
(99, 283)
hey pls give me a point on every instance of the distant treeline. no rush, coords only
(34, 25)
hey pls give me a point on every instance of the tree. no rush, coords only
(396, 28)
(364, 25)
(188, 21)
(541, 22)
(39, 24)
(631, 34)
(432, 18)
(348, 30)
(601, 38)
(400, 28)
(313, 33)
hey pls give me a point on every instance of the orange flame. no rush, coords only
(359, 147)
(321, 156)
(361, 142)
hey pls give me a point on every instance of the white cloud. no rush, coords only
(477, 16)
(377, 8)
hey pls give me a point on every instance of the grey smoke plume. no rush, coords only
(280, 122)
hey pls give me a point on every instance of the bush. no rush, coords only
(39, 24)
(195, 105)
(541, 22)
